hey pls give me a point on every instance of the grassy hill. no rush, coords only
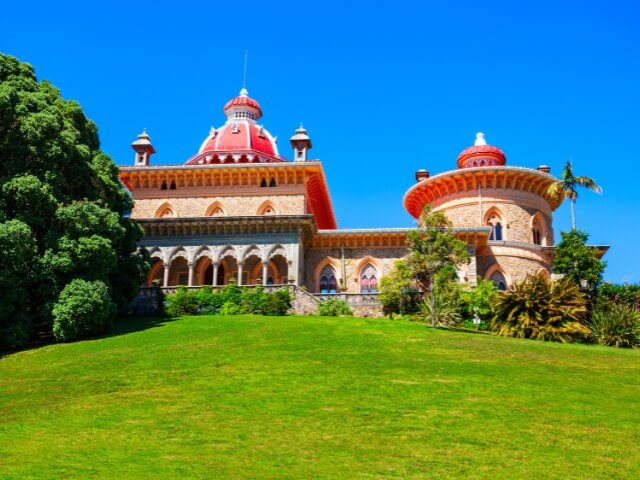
(320, 398)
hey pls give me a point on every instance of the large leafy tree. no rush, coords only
(567, 188)
(434, 250)
(62, 206)
(578, 261)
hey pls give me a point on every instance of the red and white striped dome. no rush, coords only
(240, 139)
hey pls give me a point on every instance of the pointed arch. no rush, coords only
(496, 275)
(544, 273)
(494, 218)
(325, 275)
(165, 210)
(267, 208)
(227, 251)
(539, 230)
(215, 210)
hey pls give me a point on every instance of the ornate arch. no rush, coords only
(165, 210)
(539, 229)
(156, 267)
(227, 251)
(494, 217)
(267, 208)
(251, 250)
(215, 210)
(320, 268)
(202, 251)
(178, 252)
(496, 274)
(277, 249)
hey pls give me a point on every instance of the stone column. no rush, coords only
(240, 265)
(165, 280)
(191, 272)
(214, 282)
(265, 272)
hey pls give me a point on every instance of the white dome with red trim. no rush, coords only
(240, 139)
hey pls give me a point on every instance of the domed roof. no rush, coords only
(481, 155)
(240, 139)
(243, 101)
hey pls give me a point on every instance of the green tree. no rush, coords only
(566, 187)
(397, 292)
(578, 261)
(542, 310)
(434, 249)
(62, 207)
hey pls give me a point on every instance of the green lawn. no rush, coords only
(317, 398)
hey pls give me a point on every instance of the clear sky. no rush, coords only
(384, 88)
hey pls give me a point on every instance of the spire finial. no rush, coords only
(244, 76)
(480, 139)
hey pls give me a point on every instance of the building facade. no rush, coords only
(238, 211)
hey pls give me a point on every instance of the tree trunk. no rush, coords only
(573, 214)
(434, 313)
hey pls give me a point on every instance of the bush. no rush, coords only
(183, 302)
(83, 309)
(230, 308)
(277, 303)
(542, 310)
(231, 293)
(622, 294)
(333, 307)
(208, 300)
(252, 300)
(482, 299)
(397, 294)
(617, 325)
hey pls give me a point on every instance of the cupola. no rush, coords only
(143, 148)
(301, 144)
(481, 155)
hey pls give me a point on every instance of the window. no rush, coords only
(496, 227)
(536, 236)
(499, 281)
(164, 185)
(173, 185)
(263, 183)
(272, 183)
(368, 280)
(328, 282)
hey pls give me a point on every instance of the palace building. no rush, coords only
(239, 211)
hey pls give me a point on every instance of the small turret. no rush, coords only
(143, 148)
(301, 144)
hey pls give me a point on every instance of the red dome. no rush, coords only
(241, 102)
(240, 135)
(481, 155)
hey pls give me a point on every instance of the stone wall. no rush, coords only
(516, 208)
(356, 259)
(231, 206)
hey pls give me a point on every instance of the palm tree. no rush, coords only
(566, 187)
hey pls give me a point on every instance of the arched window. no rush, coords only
(165, 210)
(267, 208)
(272, 183)
(495, 222)
(368, 280)
(263, 183)
(215, 210)
(328, 282)
(538, 230)
(173, 185)
(499, 281)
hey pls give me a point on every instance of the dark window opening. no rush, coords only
(272, 183)
(263, 183)
(164, 185)
(173, 185)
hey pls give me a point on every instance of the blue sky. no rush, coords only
(383, 89)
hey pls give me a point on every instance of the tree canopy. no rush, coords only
(434, 249)
(578, 261)
(62, 207)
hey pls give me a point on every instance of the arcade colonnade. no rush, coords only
(266, 264)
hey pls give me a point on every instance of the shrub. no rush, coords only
(231, 293)
(277, 303)
(83, 309)
(617, 325)
(333, 307)
(397, 294)
(622, 294)
(542, 310)
(447, 310)
(252, 300)
(208, 300)
(183, 302)
(230, 308)
(482, 299)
